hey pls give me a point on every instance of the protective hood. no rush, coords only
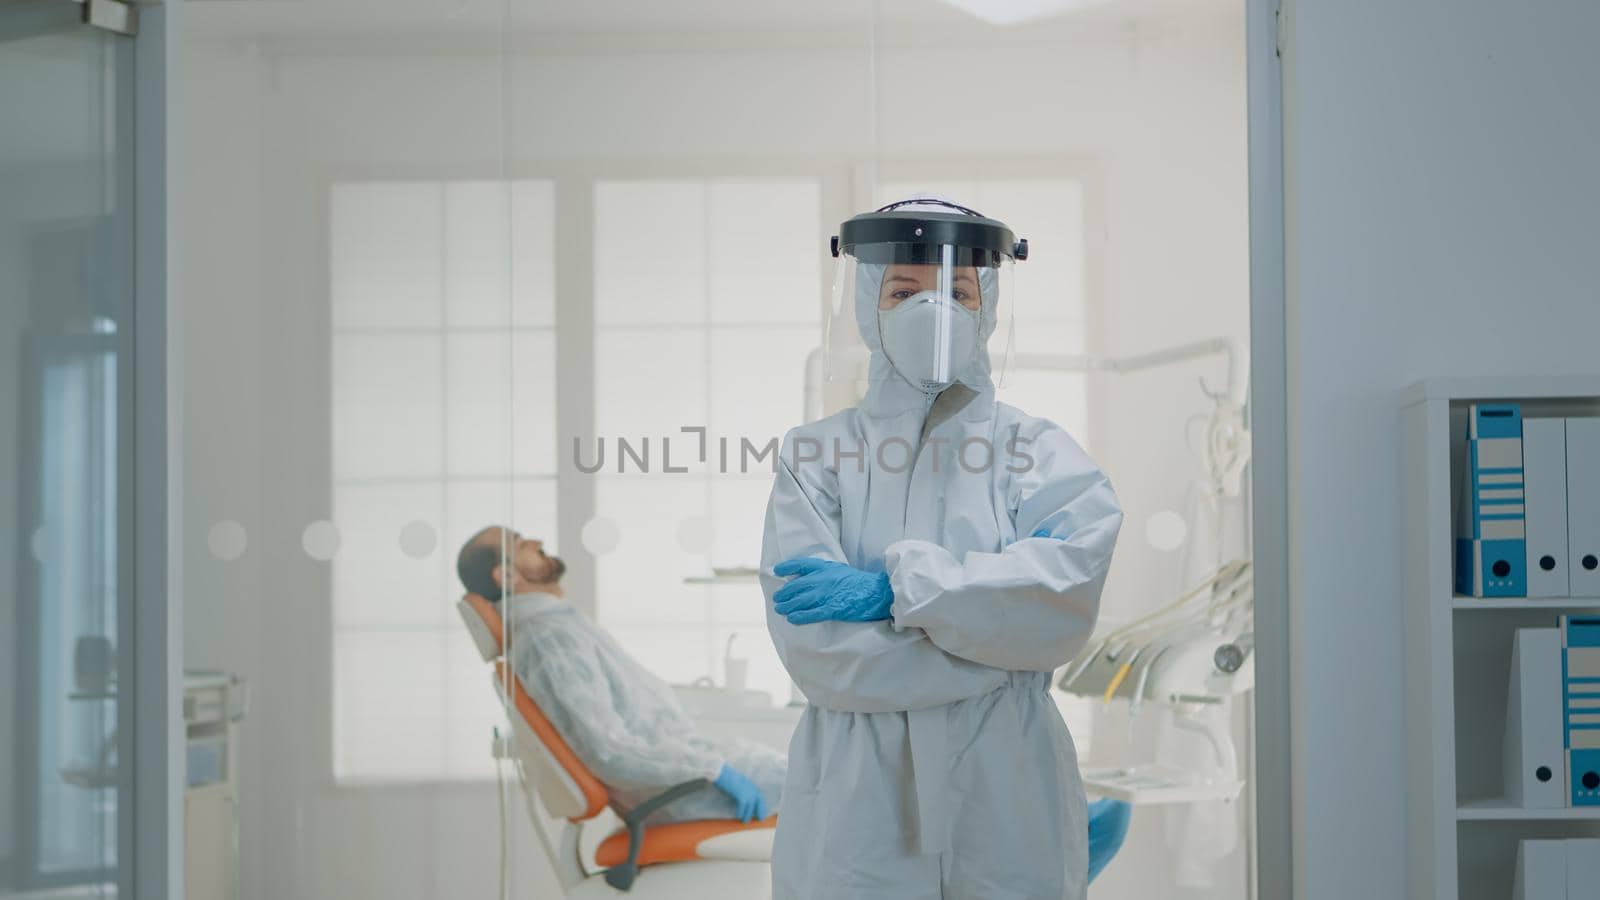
(889, 391)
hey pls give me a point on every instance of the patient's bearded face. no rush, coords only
(526, 557)
(536, 566)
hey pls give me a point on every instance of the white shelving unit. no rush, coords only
(1497, 810)
(1574, 604)
(1463, 834)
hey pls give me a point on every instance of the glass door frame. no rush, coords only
(133, 263)
(1272, 785)
(154, 720)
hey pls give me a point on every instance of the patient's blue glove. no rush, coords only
(1108, 825)
(746, 796)
(829, 590)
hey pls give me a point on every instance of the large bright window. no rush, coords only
(442, 371)
(708, 297)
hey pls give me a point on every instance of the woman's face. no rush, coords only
(904, 280)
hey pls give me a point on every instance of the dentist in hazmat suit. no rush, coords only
(929, 558)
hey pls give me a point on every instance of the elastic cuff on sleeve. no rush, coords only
(900, 582)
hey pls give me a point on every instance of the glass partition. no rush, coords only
(563, 268)
(65, 323)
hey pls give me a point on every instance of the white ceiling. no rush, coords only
(591, 20)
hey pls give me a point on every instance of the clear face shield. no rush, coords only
(917, 298)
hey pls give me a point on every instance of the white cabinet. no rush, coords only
(1463, 833)
(213, 705)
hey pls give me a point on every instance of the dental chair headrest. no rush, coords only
(483, 623)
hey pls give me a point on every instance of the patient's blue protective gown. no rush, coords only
(620, 719)
(931, 761)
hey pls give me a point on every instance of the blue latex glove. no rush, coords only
(1108, 826)
(746, 796)
(828, 590)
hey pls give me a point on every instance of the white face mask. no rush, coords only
(931, 340)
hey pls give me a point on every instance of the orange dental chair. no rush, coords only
(702, 860)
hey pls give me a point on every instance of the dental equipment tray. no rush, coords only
(1157, 784)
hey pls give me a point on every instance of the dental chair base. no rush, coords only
(702, 880)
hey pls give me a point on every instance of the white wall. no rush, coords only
(1158, 110)
(1443, 213)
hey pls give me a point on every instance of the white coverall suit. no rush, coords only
(623, 721)
(931, 761)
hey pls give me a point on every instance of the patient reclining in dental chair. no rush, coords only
(625, 723)
(621, 720)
